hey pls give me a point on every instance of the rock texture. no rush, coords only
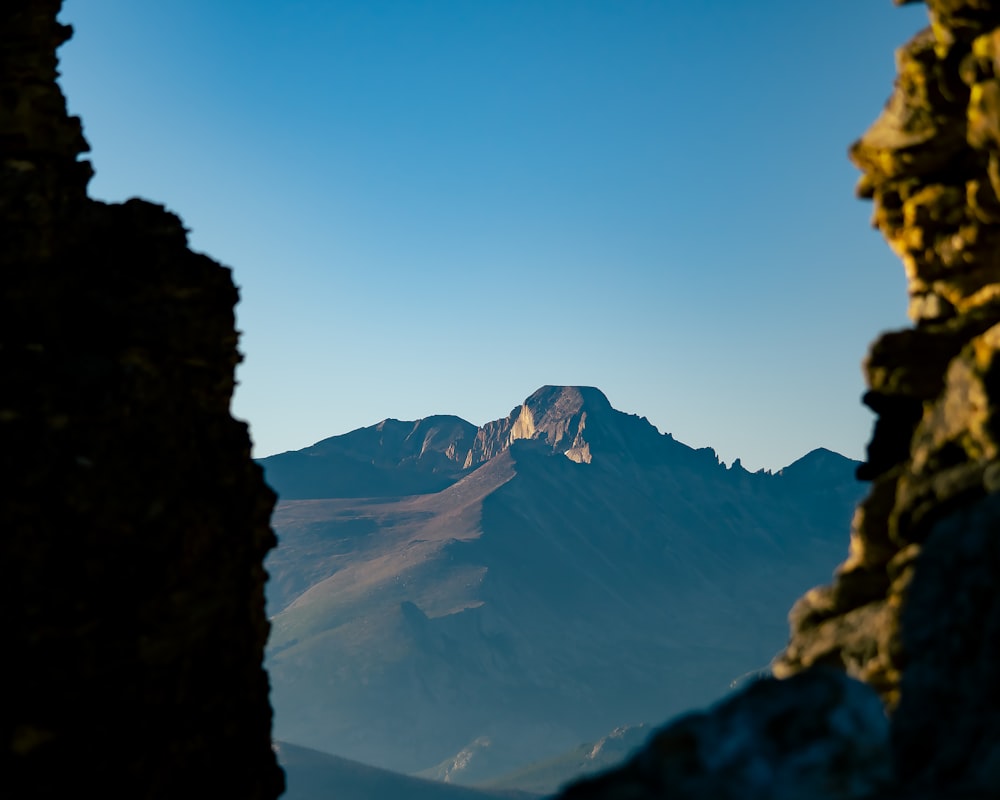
(134, 521)
(915, 610)
(555, 414)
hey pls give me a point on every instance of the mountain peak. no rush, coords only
(819, 465)
(556, 415)
(566, 400)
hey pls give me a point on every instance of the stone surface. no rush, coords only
(134, 521)
(947, 729)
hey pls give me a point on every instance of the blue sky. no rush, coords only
(438, 206)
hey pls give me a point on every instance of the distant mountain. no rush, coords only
(391, 458)
(562, 571)
(312, 775)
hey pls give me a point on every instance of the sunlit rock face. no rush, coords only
(555, 414)
(915, 609)
(134, 521)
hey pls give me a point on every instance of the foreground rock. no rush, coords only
(134, 521)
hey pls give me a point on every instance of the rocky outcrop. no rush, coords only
(134, 521)
(915, 610)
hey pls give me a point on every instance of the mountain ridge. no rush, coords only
(395, 458)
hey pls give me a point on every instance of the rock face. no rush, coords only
(915, 609)
(134, 521)
(555, 414)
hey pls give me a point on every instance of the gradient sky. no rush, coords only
(437, 206)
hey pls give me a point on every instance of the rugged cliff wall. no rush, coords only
(915, 610)
(134, 522)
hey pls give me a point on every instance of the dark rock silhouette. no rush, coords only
(134, 521)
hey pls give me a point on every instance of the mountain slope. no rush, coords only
(546, 777)
(590, 572)
(313, 775)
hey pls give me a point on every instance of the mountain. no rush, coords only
(546, 777)
(566, 570)
(391, 458)
(313, 775)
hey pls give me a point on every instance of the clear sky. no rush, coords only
(437, 206)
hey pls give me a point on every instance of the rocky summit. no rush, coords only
(396, 458)
(577, 570)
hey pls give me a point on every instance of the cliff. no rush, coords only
(134, 521)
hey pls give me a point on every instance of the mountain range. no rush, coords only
(464, 601)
